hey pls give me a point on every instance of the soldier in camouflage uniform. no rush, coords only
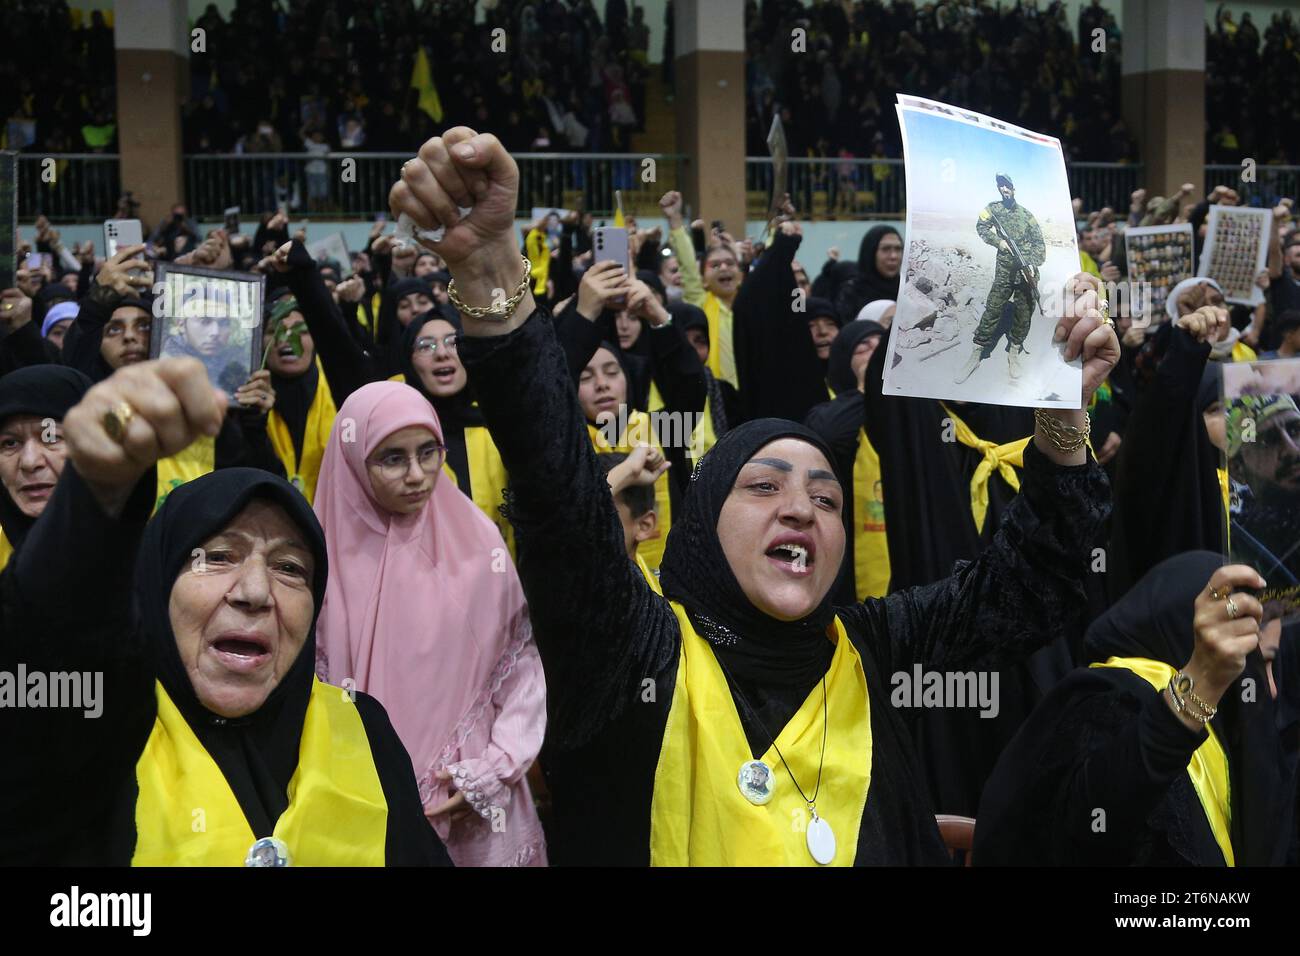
(1020, 224)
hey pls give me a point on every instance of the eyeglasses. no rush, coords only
(394, 464)
(430, 344)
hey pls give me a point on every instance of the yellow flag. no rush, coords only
(422, 80)
(618, 210)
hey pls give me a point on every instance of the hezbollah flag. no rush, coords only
(422, 80)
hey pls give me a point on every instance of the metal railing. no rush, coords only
(1104, 184)
(877, 188)
(356, 185)
(1271, 183)
(830, 188)
(85, 187)
(68, 187)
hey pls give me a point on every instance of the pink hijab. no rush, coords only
(419, 608)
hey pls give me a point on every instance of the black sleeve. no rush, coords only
(1157, 502)
(22, 348)
(1129, 748)
(81, 343)
(677, 369)
(411, 839)
(578, 336)
(561, 272)
(777, 367)
(244, 443)
(65, 606)
(600, 629)
(1022, 591)
(347, 367)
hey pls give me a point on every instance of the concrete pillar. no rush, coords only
(153, 79)
(1163, 93)
(709, 47)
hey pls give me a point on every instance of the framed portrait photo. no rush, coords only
(211, 315)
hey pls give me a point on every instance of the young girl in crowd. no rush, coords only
(427, 615)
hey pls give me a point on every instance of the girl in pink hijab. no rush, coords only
(426, 613)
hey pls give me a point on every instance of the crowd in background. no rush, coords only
(313, 74)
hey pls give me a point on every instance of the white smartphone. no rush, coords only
(611, 243)
(121, 232)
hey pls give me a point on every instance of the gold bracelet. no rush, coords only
(1206, 708)
(498, 311)
(1067, 439)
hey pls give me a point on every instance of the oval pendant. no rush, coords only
(821, 840)
(755, 781)
(268, 851)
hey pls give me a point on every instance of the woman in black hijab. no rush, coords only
(207, 656)
(652, 760)
(29, 397)
(1106, 773)
(850, 288)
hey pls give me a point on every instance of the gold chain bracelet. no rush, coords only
(1066, 439)
(498, 311)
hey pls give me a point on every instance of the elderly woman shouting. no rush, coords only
(739, 718)
(200, 736)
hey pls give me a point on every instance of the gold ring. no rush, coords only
(1232, 610)
(117, 419)
(1214, 593)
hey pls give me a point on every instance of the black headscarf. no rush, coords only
(388, 330)
(753, 646)
(1154, 621)
(44, 390)
(293, 393)
(455, 411)
(257, 754)
(839, 371)
(868, 285)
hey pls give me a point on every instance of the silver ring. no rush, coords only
(1232, 609)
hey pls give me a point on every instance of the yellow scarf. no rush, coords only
(699, 817)
(487, 479)
(870, 547)
(722, 348)
(6, 551)
(651, 578)
(187, 815)
(1000, 457)
(704, 437)
(320, 421)
(197, 460)
(1208, 767)
(640, 432)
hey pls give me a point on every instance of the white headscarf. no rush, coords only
(873, 310)
(1171, 300)
(1219, 351)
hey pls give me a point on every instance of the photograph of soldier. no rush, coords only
(1263, 453)
(1012, 229)
(214, 320)
(991, 244)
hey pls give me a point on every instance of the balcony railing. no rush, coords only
(84, 187)
(68, 187)
(356, 185)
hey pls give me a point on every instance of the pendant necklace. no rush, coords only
(755, 782)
